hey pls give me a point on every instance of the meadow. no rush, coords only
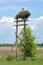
(36, 60)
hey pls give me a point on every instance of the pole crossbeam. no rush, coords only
(21, 20)
(20, 24)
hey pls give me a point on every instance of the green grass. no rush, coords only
(21, 62)
(37, 60)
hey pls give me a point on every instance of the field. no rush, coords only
(37, 60)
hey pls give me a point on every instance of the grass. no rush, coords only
(21, 62)
(37, 60)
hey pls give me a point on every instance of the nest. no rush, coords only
(23, 14)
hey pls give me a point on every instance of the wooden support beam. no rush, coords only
(20, 20)
(16, 37)
(20, 24)
(24, 58)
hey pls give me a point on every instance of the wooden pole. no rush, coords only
(16, 37)
(24, 58)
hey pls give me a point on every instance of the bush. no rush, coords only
(31, 50)
(10, 57)
(30, 45)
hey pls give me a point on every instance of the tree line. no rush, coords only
(6, 45)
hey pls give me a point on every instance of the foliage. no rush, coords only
(30, 42)
(10, 57)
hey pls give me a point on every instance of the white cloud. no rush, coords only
(39, 18)
(33, 27)
(8, 22)
(7, 19)
(33, 22)
(8, 29)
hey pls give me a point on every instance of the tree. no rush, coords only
(30, 48)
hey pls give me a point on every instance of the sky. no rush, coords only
(8, 11)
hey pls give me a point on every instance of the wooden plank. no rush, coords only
(20, 20)
(20, 24)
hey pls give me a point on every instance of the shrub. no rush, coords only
(31, 50)
(10, 57)
(30, 46)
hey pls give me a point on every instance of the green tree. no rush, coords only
(30, 42)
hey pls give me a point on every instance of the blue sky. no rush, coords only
(8, 11)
